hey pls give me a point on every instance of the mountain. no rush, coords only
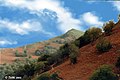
(89, 60)
(71, 62)
(46, 47)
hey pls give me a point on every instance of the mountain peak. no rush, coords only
(72, 30)
(73, 33)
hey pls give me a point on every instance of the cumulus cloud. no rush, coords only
(65, 19)
(7, 42)
(91, 19)
(21, 28)
(117, 5)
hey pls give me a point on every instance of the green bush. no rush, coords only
(38, 53)
(47, 76)
(63, 51)
(118, 62)
(107, 27)
(43, 57)
(24, 54)
(44, 76)
(93, 33)
(73, 58)
(104, 73)
(16, 53)
(54, 76)
(74, 50)
(52, 59)
(103, 45)
(39, 66)
(89, 36)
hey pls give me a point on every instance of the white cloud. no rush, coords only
(21, 28)
(117, 5)
(65, 18)
(7, 42)
(91, 19)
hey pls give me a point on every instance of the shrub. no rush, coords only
(30, 56)
(16, 53)
(24, 54)
(44, 76)
(103, 45)
(38, 52)
(90, 35)
(47, 76)
(73, 58)
(73, 51)
(43, 57)
(107, 27)
(16, 68)
(54, 76)
(52, 59)
(73, 48)
(84, 40)
(39, 67)
(104, 73)
(63, 51)
(93, 33)
(67, 49)
(118, 62)
(27, 69)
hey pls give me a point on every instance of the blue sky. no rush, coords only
(27, 21)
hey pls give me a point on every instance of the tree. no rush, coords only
(104, 73)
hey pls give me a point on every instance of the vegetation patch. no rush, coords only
(89, 36)
(23, 54)
(104, 73)
(108, 27)
(103, 45)
(47, 76)
(38, 52)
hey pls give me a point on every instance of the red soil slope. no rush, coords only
(89, 60)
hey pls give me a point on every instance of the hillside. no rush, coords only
(89, 60)
(45, 47)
